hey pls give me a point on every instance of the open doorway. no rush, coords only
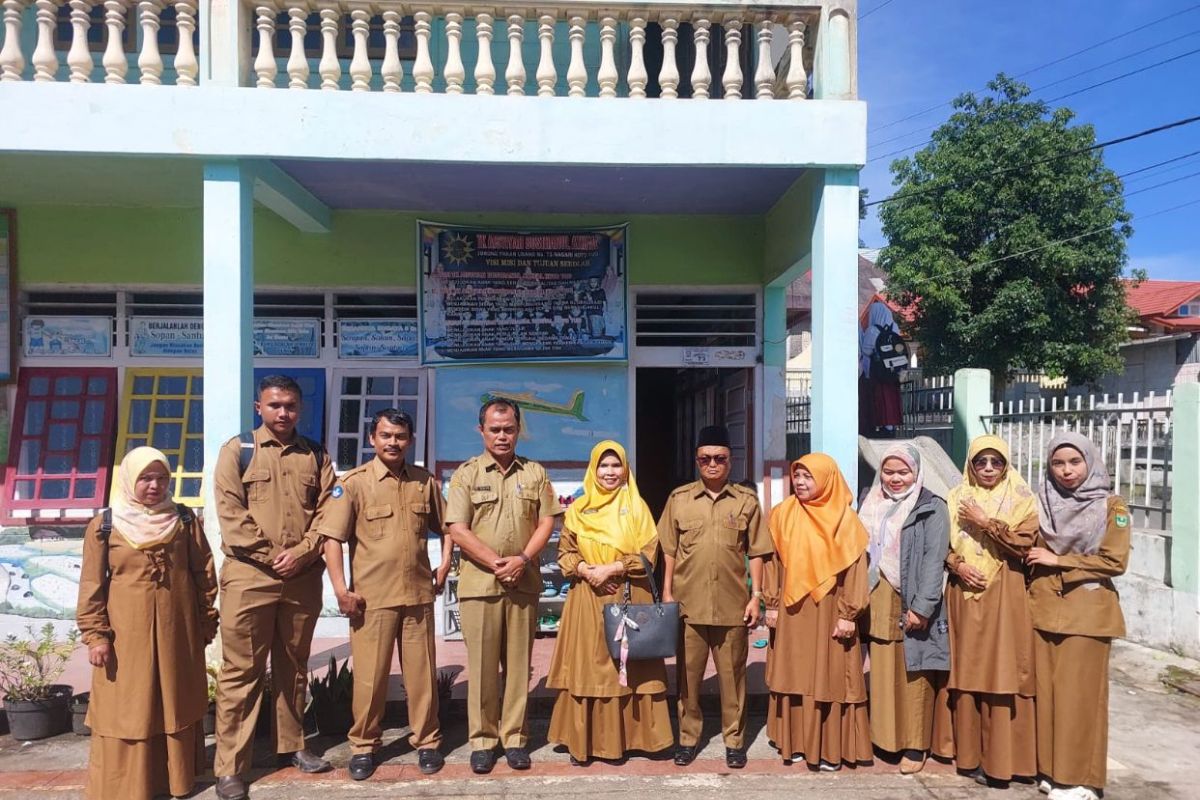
(673, 404)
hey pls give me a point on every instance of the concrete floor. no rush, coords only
(1154, 754)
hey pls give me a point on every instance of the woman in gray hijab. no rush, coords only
(1082, 546)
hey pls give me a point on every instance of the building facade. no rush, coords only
(595, 209)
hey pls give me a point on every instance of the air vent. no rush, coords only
(716, 319)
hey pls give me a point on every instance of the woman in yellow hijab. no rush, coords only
(815, 589)
(994, 523)
(605, 709)
(146, 594)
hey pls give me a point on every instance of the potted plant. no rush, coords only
(445, 685)
(79, 708)
(330, 697)
(210, 716)
(36, 707)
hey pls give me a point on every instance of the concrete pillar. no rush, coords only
(774, 405)
(1185, 489)
(972, 401)
(225, 32)
(835, 321)
(833, 72)
(228, 315)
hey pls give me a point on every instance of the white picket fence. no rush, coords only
(1132, 434)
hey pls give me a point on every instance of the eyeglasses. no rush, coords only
(988, 461)
(704, 461)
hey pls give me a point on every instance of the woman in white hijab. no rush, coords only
(146, 593)
(1082, 546)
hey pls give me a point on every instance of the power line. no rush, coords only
(1160, 185)
(866, 14)
(1043, 87)
(1123, 75)
(1120, 140)
(1059, 60)
(1184, 157)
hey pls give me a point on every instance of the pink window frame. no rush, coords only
(17, 437)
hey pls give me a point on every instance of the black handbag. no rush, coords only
(651, 629)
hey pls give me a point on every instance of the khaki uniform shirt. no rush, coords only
(502, 509)
(710, 540)
(385, 519)
(1078, 597)
(271, 507)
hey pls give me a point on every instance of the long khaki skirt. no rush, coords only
(836, 733)
(609, 727)
(996, 732)
(141, 769)
(909, 710)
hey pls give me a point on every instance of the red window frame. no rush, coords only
(101, 439)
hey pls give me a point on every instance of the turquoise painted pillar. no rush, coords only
(1185, 488)
(972, 402)
(835, 321)
(228, 314)
(774, 413)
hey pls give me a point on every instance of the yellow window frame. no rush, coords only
(127, 440)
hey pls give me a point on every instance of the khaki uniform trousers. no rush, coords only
(262, 616)
(499, 633)
(1072, 708)
(372, 641)
(729, 648)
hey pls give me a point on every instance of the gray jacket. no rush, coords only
(924, 541)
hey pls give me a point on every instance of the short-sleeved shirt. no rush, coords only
(386, 518)
(502, 509)
(710, 540)
(272, 505)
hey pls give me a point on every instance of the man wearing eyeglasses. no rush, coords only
(708, 530)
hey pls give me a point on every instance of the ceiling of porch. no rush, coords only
(425, 187)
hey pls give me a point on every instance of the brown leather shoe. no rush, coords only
(910, 765)
(306, 761)
(231, 787)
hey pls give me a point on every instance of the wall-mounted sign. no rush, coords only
(167, 337)
(67, 337)
(285, 337)
(377, 338)
(549, 295)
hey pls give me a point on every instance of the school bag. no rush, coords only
(890, 355)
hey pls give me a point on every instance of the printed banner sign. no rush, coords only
(68, 337)
(377, 338)
(550, 295)
(167, 337)
(287, 338)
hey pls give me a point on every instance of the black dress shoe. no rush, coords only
(305, 761)
(517, 758)
(735, 757)
(482, 761)
(430, 760)
(231, 787)
(362, 766)
(684, 755)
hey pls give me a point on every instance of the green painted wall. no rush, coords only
(789, 226)
(83, 245)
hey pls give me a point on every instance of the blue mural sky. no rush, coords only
(917, 55)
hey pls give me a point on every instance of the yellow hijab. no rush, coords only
(1011, 501)
(819, 538)
(609, 524)
(142, 526)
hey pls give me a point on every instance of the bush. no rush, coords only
(29, 666)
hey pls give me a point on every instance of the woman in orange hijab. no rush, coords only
(815, 589)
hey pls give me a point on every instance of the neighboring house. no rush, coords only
(1164, 348)
(871, 281)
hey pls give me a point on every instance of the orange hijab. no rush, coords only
(818, 539)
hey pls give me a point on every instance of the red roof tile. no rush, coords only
(1160, 298)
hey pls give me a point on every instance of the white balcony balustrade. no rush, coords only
(666, 51)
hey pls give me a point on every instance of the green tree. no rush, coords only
(1006, 236)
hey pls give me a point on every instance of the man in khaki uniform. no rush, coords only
(500, 514)
(385, 508)
(707, 531)
(270, 581)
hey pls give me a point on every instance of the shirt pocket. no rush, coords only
(690, 531)
(484, 502)
(530, 500)
(309, 490)
(420, 517)
(732, 530)
(258, 485)
(378, 519)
